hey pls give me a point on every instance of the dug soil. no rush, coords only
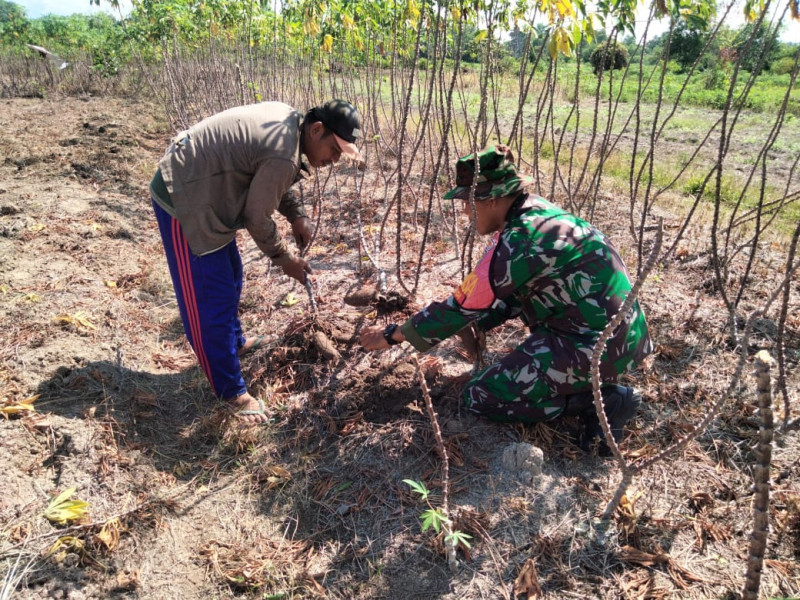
(182, 502)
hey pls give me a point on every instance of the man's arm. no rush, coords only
(291, 207)
(270, 183)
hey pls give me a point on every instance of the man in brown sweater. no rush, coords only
(232, 171)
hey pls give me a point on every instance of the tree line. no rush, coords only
(380, 31)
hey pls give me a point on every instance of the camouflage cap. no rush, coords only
(497, 175)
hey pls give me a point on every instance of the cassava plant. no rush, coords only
(438, 518)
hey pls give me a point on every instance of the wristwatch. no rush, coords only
(389, 332)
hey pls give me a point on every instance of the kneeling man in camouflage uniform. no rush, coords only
(563, 278)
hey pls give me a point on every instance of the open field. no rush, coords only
(182, 504)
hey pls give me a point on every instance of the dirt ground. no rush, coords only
(182, 503)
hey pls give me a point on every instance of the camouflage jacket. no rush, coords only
(556, 272)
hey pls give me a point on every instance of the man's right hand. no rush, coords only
(297, 268)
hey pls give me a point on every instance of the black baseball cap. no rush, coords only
(344, 121)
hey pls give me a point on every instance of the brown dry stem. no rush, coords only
(758, 537)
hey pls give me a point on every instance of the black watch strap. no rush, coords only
(389, 332)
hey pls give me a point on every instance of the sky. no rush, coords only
(38, 8)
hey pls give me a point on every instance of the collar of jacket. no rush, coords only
(519, 206)
(300, 152)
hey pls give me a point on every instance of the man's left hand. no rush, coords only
(303, 231)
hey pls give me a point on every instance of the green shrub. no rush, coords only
(607, 57)
(783, 66)
(714, 79)
(508, 64)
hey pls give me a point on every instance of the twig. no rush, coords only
(710, 414)
(758, 537)
(12, 577)
(381, 272)
(310, 291)
(600, 345)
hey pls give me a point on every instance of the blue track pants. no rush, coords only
(207, 289)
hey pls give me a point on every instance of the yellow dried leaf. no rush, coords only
(36, 227)
(79, 318)
(32, 297)
(65, 544)
(17, 408)
(279, 472)
(61, 509)
(110, 533)
(110, 283)
(627, 505)
(564, 42)
(290, 300)
(4, 289)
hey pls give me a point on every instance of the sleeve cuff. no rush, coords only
(413, 338)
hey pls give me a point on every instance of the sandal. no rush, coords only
(245, 412)
(261, 411)
(257, 343)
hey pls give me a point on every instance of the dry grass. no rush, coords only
(185, 503)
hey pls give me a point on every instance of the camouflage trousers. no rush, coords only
(529, 384)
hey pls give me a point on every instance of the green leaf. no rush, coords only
(433, 518)
(576, 34)
(552, 47)
(458, 537)
(418, 487)
(342, 487)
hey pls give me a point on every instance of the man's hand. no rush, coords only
(371, 338)
(474, 341)
(303, 231)
(297, 268)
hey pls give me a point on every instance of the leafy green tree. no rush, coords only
(763, 44)
(10, 11)
(687, 44)
(13, 22)
(470, 50)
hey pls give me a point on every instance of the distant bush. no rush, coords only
(607, 57)
(783, 66)
(508, 64)
(715, 78)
